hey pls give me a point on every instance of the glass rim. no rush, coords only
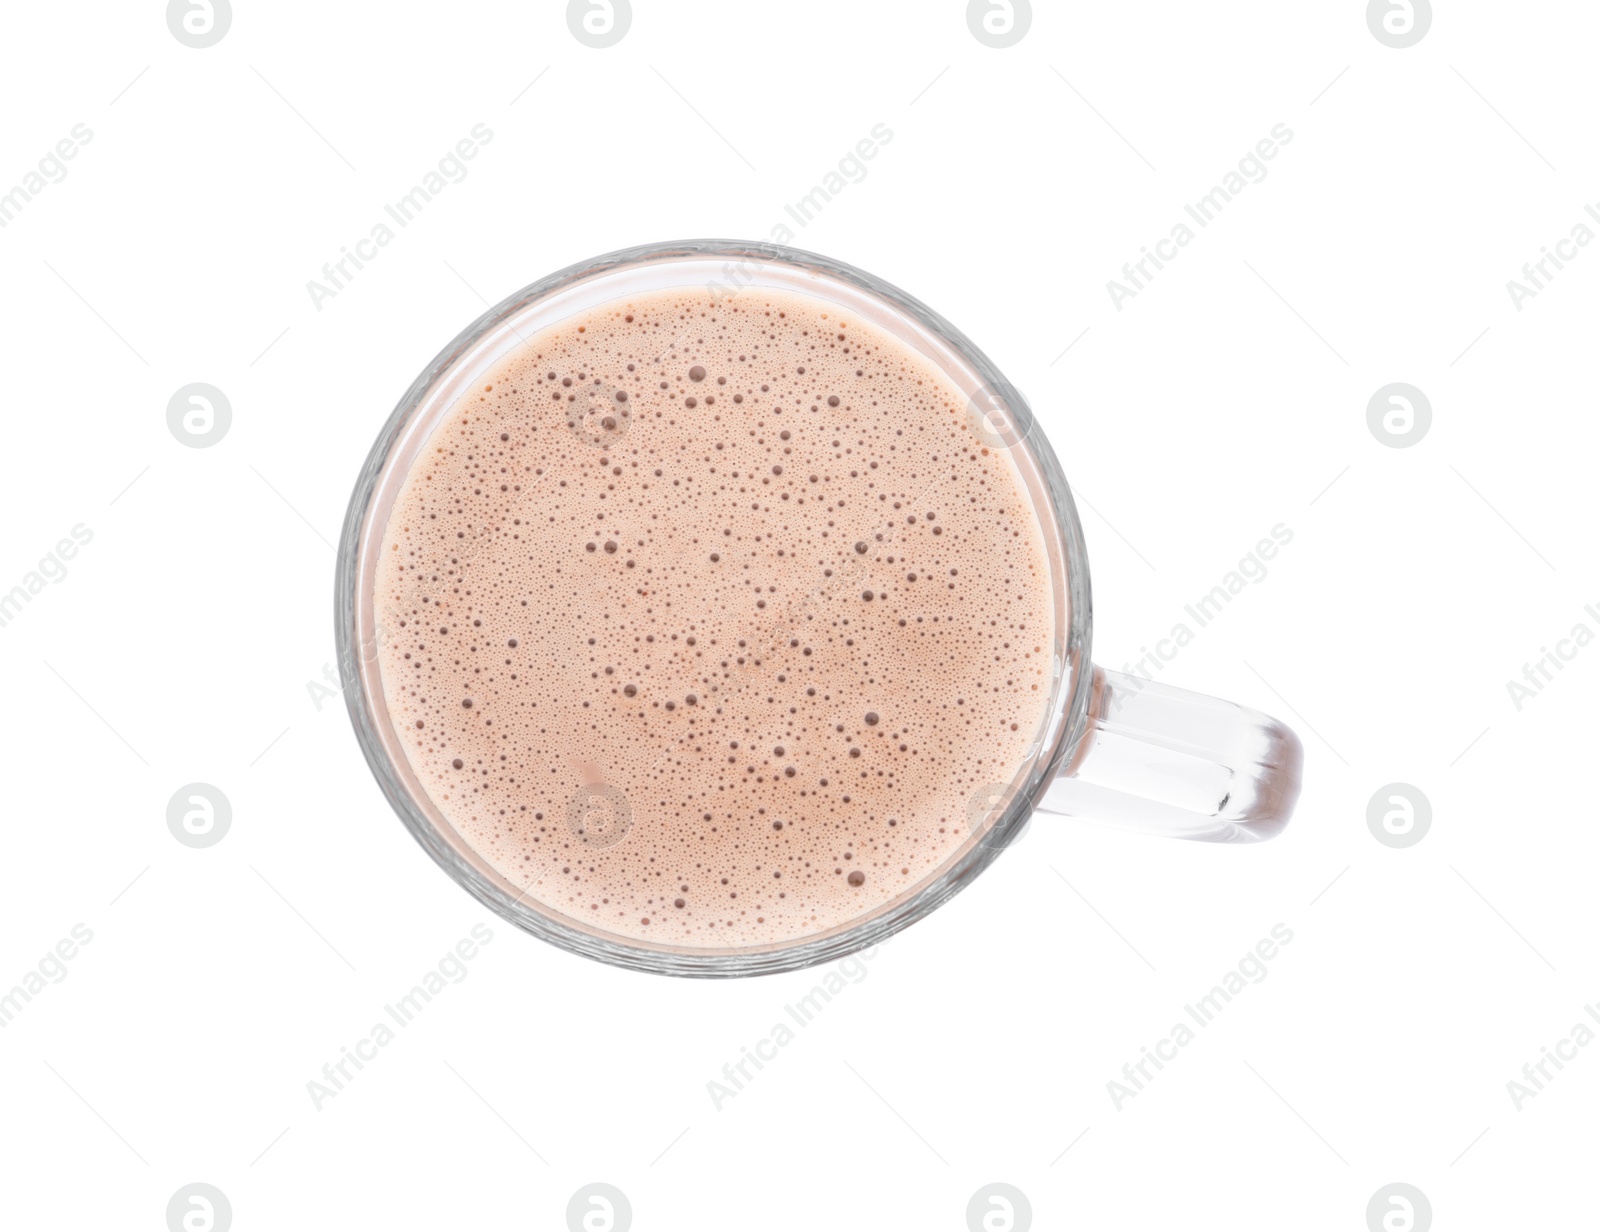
(1061, 731)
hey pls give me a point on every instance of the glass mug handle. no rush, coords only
(1158, 760)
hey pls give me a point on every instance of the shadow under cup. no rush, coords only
(998, 417)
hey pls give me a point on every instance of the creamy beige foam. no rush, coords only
(703, 624)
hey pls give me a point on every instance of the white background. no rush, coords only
(1224, 399)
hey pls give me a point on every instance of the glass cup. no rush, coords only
(1112, 748)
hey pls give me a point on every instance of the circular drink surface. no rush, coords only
(704, 621)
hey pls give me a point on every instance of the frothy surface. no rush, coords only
(703, 624)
